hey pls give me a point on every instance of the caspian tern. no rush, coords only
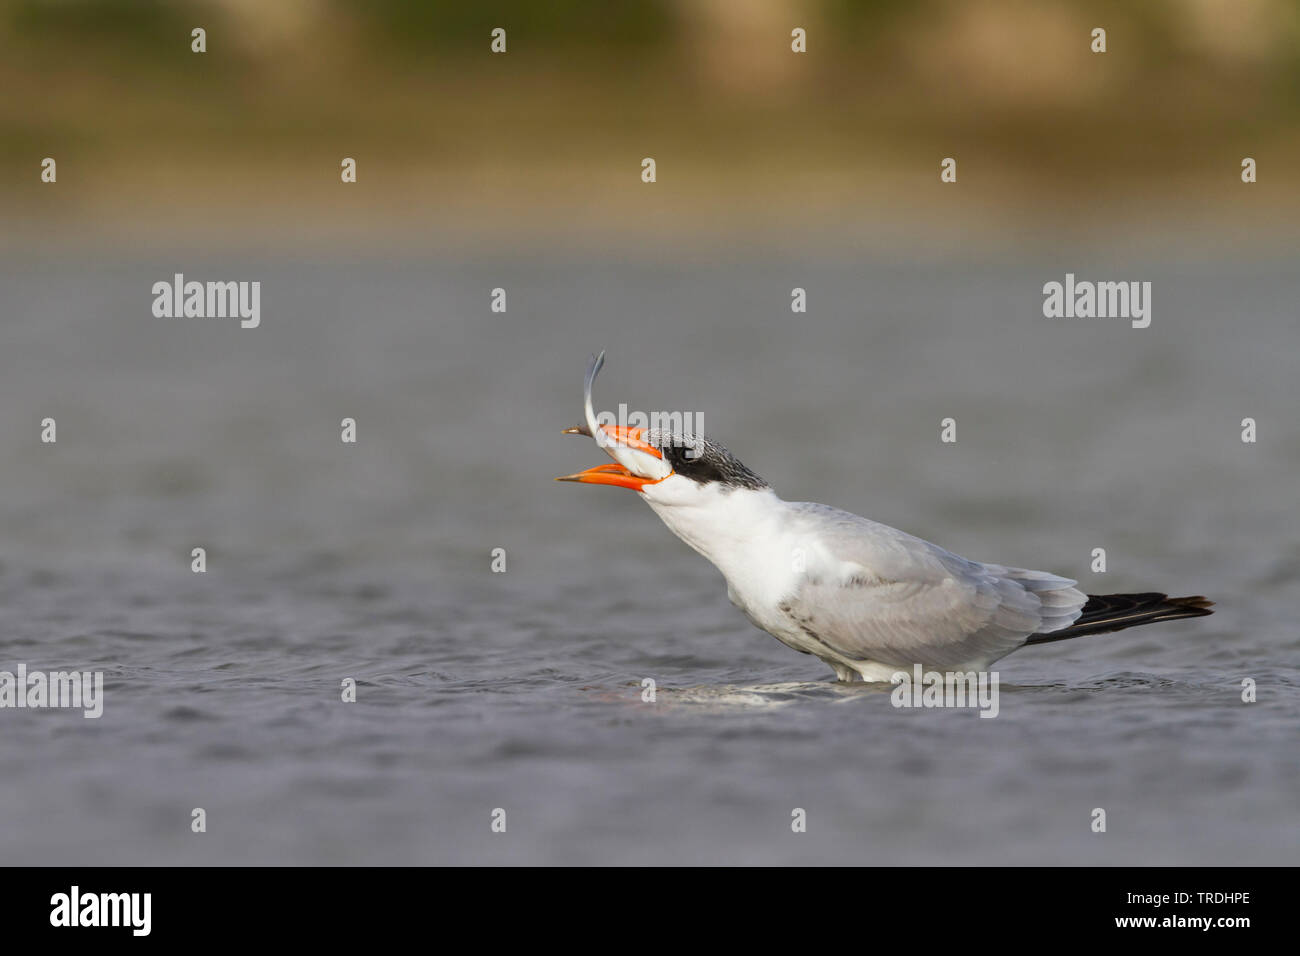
(867, 599)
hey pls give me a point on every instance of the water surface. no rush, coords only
(522, 690)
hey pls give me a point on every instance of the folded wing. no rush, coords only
(873, 593)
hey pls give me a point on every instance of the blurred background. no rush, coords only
(547, 139)
(522, 171)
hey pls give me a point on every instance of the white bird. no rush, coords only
(867, 599)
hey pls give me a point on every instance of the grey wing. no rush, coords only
(873, 593)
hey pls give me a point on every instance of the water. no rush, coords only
(522, 690)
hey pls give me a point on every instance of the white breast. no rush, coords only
(747, 535)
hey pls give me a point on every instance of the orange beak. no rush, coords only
(631, 437)
(615, 475)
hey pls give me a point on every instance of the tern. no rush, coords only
(867, 599)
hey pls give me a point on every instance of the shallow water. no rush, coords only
(522, 690)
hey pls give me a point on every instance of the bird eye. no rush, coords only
(684, 452)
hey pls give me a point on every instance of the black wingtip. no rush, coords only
(1195, 603)
(1116, 612)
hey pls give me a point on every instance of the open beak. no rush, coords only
(621, 442)
(615, 474)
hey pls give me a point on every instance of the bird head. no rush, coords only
(665, 466)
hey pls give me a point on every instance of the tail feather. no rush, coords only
(1114, 612)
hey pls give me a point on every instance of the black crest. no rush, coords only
(702, 460)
